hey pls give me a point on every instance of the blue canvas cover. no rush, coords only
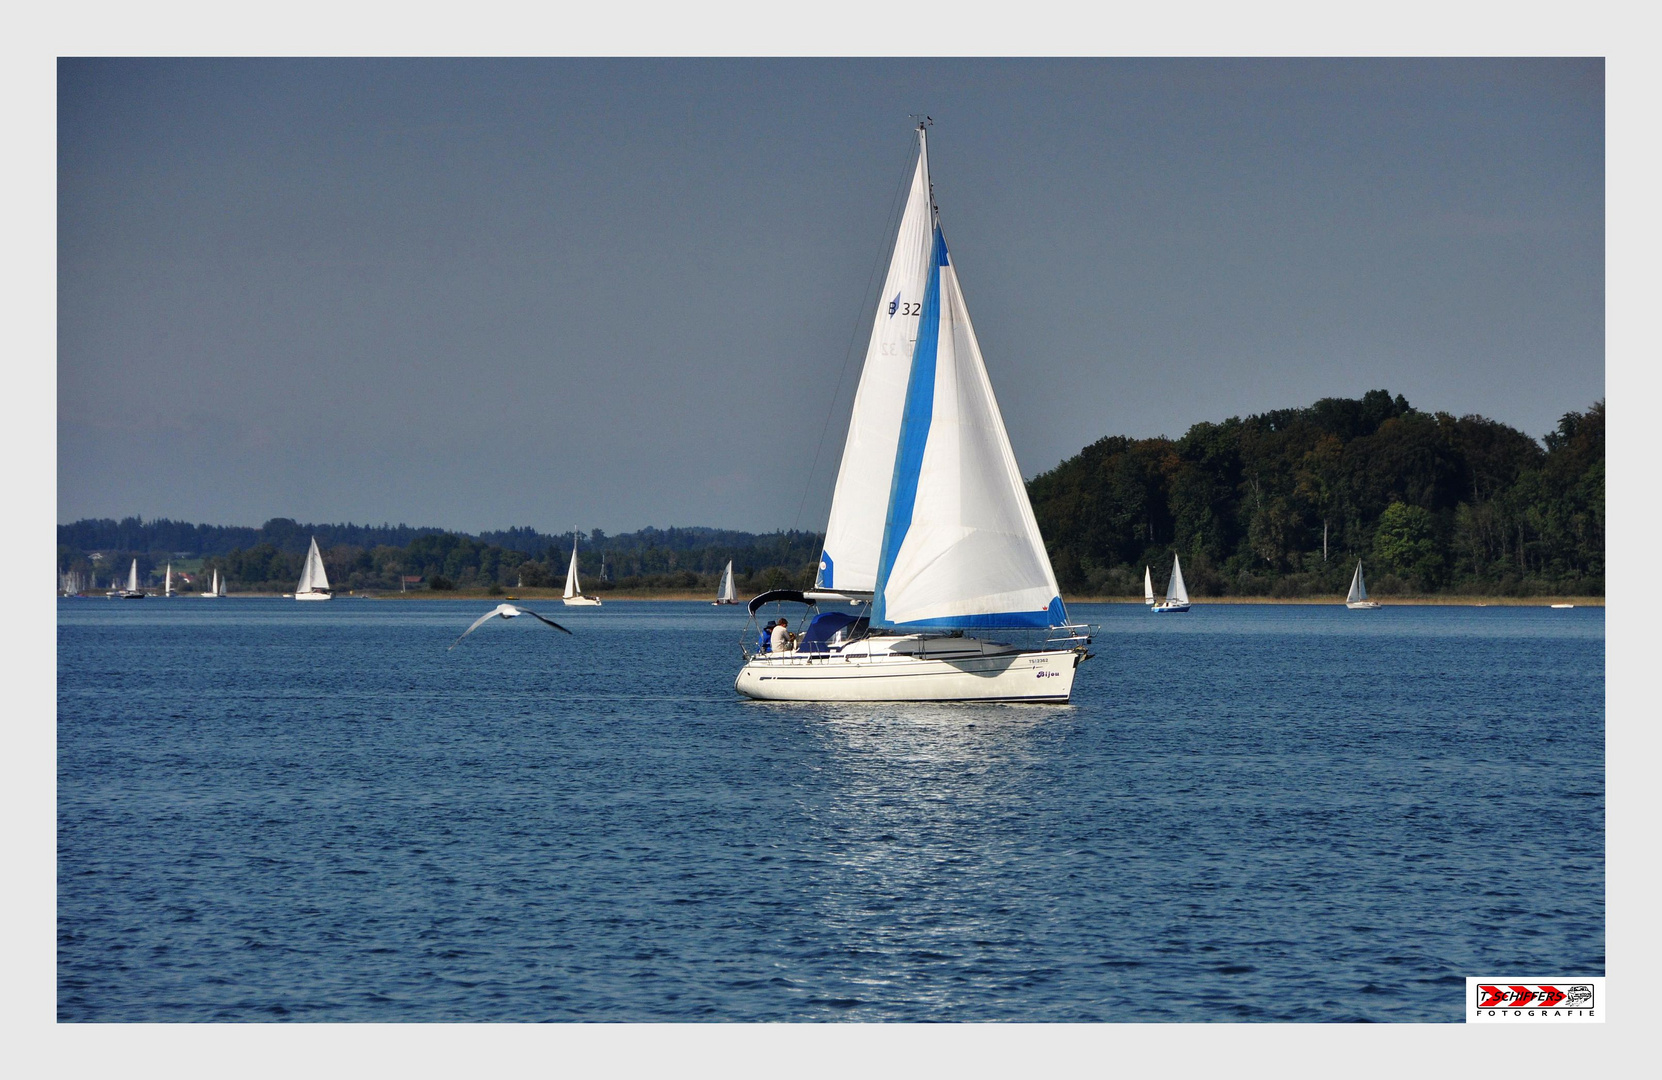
(821, 628)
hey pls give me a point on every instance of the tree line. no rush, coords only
(1285, 503)
(268, 559)
(1282, 503)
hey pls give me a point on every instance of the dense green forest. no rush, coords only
(1285, 503)
(1278, 504)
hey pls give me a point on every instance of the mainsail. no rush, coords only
(1358, 590)
(726, 593)
(312, 578)
(132, 577)
(1148, 586)
(572, 588)
(1176, 593)
(854, 532)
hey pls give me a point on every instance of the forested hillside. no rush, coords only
(1284, 503)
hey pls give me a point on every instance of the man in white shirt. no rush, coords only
(782, 638)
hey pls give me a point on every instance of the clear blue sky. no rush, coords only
(579, 293)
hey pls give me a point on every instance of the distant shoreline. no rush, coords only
(647, 596)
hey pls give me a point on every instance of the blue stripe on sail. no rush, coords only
(1058, 612)
(1054, 615)
(826, 568)
(914, 427)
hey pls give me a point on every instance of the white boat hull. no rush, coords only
(311, 596)
(1012, 676)
(1361, 605)
(1162, 609)
(580, 601)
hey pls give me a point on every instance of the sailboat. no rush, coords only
(1177, 594)
(1148, 587)
(167, 589)
(726, 594)
(314, 583)
(1357, 599)
(216, 588)
(574, 592)
(930, 527)
(132, 591)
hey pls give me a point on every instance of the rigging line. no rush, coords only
(889, 227)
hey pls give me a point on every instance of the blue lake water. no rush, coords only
(315, 812)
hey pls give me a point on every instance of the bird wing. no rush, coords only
(550, 622)
(476, 624)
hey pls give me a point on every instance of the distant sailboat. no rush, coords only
(216, 588)
(167, 589)
(132, 591)
(573, 596)
(1357, 600)
(1148, 587)
(1177, 594)
(725, 594)
(314, 583)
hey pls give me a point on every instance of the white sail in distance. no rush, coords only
(1148, 586)
(960, 544)
(312, 577)
(132, 577)
(572, 588)
(854, 531)
(726, 593)
(1177, 592)
(1359, 591)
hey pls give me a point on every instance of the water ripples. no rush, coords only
(1249, 813)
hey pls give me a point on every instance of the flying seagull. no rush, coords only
(506, 611)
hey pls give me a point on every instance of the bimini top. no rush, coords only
(794, 596)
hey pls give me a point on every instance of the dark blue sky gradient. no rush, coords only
(579, 293)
